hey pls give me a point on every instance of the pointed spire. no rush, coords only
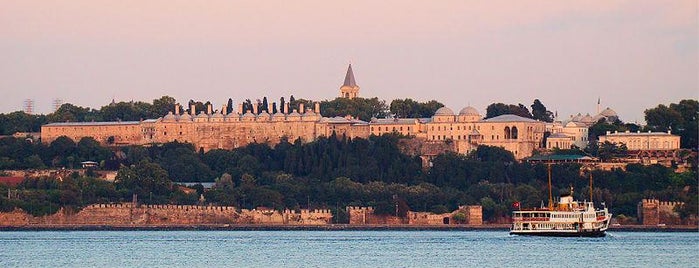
(349, 78)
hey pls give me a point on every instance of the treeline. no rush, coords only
(335, 172)
(361, 108)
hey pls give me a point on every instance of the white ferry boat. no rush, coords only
(567, 218)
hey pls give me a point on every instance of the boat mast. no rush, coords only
(550, 193)
(590, 185)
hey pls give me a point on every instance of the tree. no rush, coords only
(229, 106)
(497, 109)
(608, 150)
(540, 113)
(265, 105)
(362, 108)
(71, 113)
(161, 107)
(680, 117)
(408, 108)
(143, 179)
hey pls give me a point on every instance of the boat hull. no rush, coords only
(597, 233)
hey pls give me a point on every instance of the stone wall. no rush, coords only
(365, 215)
(654, 212)
(127, 214)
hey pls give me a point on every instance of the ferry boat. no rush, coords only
(566, 218)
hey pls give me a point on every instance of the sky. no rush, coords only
(631, 55)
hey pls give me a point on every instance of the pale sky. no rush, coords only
(633, 55)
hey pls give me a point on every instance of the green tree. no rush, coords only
(540, 113)
(362, 108)
(497, 109)
(408, 108)
(680, 117)
(161, 107)
(144, 179)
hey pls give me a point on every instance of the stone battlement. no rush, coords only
(662, 203)
(654, 212)
(144, 215)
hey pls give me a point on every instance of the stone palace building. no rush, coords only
(209, 130)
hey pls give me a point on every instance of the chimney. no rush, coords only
(224, 109)
(209, 109)
(301, 109)
(286, 107)
(254, 108)
(240, 108)
(609, 132)
(192, 110)
(317, 107)
(177, 109)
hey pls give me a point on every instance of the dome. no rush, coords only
(587, 119)
(185, 117)
(469, 111)
(577, 118)
(169, 117)
(444, 111)
(608, 112)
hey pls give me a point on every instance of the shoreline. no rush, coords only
(329, 227)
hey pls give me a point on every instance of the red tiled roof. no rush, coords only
(11, 181)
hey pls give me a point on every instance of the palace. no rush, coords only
(209, 130)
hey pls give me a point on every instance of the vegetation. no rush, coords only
(331, 172)
(539, 111)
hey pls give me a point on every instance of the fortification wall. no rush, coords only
(127, 214)
(654, 212)
(365, 215)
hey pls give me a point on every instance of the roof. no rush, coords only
(608, 112)
(11, 181)
(117, 123)
(394, 121)
(207, 185)
(469, 111)
(444, 111)
(561, 157)
(349, 78)
(509, 118)
(640, 134)
(341, 120)
(559, 135)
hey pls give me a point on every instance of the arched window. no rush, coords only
(514, 133)
(507, 133)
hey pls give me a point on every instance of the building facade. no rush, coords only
(641, 141)
(208, 130)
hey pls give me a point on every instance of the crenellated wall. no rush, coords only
(654, 212)
(127, 214)
(365, 215)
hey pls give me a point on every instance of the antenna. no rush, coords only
(550, 192)
(57, 104)
(29, 106)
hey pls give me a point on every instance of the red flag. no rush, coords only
(515, 204)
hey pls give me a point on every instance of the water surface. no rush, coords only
(342, 249)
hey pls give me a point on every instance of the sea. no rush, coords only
(343, 249)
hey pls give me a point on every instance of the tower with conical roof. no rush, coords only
(349, 88)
